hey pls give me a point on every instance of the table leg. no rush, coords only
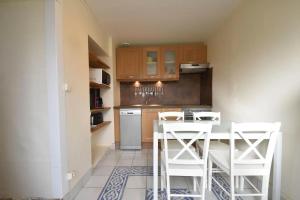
(276, 190)
(155, 167)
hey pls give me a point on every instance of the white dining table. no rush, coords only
(219, 131)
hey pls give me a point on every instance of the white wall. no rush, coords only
(25, 168)
(256, 61)
(79, 23)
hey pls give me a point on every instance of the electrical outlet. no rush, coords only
(71, 175)
(67, 88)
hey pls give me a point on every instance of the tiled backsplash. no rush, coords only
(192, 89)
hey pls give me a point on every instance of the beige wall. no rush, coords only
(24, 136)
(256, 61)
(79, 23)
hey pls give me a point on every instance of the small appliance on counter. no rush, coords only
(99, 76)
(95, 99)
(96, 119)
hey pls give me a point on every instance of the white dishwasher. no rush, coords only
(130, 128)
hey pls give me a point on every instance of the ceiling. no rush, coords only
(161, 21)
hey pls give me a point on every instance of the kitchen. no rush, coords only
(149, 99)
(155, 79)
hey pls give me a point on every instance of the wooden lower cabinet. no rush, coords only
(117, 125)
(148, 115)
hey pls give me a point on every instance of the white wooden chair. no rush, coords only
(249, 161)
(184, 161)
(171, 115)
(213, 117)
(173, 144)
(177, 116)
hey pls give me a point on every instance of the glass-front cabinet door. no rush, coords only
(170, 62)
(151, 66)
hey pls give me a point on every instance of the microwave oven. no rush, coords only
(99, 76)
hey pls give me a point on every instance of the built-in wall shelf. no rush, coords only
(99, 126)
(98, 59)
(96, 110)
(96, 62)
(98, 86)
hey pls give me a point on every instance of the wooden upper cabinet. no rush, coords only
(162, 62)
(129, 62)
(151, 63)
(170, 62)
(193, 53)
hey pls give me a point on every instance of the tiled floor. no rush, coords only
(136, 185)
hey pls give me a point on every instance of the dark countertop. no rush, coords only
(162, 106)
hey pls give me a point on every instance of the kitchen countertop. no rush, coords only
(161, 106)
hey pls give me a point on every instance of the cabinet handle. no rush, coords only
(131, 76)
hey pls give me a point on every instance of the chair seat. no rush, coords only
(222, 159)
(214, 145)
(182, 169)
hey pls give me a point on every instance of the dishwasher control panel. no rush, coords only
(130, 112)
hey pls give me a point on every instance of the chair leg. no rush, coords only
(242, 183)
(194, 184)
(232, 187)
(210, 164)
(237, 182)
(162, 177)
(203, 186)
(168, 187)
(265, 187)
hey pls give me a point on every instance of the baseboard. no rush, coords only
(80, 184)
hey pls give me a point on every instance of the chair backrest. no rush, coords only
(177, 131)
(253, 134)
(172, 115)
(212, 116)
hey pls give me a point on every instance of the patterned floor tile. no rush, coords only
(115, 187)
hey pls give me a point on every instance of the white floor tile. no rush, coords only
(150, 162)
(139, 162)
(127, 153)
(88, 194)
(108, 162)
(125, 162)
(136, 182)
(141, 154)
(96, 181)
(134, 194)
(102, 171)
